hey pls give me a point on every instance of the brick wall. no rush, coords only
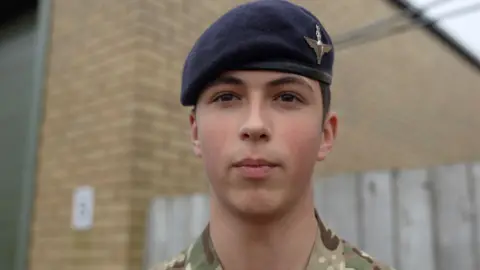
(113, 118)
(87, 135)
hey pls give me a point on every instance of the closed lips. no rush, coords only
(254, 163)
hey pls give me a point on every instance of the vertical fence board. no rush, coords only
(318, 191)
(476, 186)
(377, 220)
(416, 244)
(156, 236)
(338, 205)
(453, 212)
(178, 219)
(199, 214)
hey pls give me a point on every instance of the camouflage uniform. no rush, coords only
(329, 253)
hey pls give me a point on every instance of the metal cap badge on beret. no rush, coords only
(262, 35)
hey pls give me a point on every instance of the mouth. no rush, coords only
(255, 163)
(255, 168)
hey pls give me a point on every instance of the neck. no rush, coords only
(242, 244)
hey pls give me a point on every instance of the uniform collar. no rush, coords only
(327, 252)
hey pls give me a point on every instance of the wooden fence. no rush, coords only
(412, 219)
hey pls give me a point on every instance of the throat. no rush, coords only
(282, 246)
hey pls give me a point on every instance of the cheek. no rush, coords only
(303, 139)
(213, 136)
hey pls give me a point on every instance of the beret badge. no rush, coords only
(318, 46)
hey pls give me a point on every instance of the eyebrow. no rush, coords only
(289, 80)
(231, 80)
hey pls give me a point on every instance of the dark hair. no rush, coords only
(326, 99)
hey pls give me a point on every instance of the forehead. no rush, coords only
(264, 78)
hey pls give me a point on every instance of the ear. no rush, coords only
(328, 136)
(194, 134)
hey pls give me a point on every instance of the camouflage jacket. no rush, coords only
(329, 253)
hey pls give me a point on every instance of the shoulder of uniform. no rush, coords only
(360, 260)
(177, 262)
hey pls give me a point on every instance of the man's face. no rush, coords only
(259, 134)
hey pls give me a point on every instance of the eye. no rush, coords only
(288, 97)
(224, 97)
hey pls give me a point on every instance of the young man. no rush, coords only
(259, 83)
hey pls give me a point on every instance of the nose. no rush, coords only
(255, 127)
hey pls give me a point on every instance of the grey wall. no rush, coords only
(17, 41)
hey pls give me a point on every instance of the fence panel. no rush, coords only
(453, 218)
(415, 237)
(377, 216)
(412, 219)
(337, 201)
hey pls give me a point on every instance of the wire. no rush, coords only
(387, 22)
(407, 27)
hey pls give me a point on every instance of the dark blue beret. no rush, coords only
(262, 35)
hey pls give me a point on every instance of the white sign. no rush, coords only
(82, 208)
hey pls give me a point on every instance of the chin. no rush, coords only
(258, 205)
